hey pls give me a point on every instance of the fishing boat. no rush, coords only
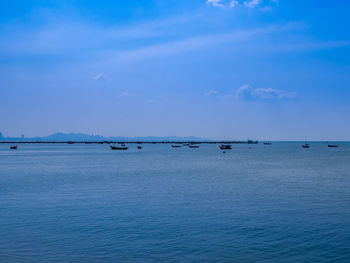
(332, 145)
(225, 147)
(139, 147)
(306, 145)
(14, 147)
(118, 148)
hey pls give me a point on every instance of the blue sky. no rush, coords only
(217, 69)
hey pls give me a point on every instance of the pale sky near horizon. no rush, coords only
(220, 69)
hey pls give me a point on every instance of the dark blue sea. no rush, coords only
(254, 203)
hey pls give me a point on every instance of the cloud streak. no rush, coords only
(195, 43)
(100, 77)
(246, 92)
(234, 3)
(252, 3)
(211, 93)
(215, 3)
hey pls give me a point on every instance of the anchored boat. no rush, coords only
(118, 148)
(225, 147)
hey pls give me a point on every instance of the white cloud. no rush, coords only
(223, 3)
(252, 3)
(273, 94)
(100, 77)
(233, 3)
(211, 93)
(215, 3)
(246, 92)
(243, 92)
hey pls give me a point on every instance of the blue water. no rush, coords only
(257, 203)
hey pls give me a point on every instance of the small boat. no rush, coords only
(118, 148)
(225, 147)
(332, 145)
(139, 147)
(306, 145)
(267, 143)
(193, 146)
(13, 147)
(176, 146)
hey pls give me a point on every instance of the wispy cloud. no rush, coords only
(194, 43)
(125, 94)
(211, 93)
(215, 3)
(60, 35)
(100, 77)
(246, 92)
(262, 5)
(302, 46)
(234, 3)
(252, 3)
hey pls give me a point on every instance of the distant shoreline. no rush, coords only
(134, 142)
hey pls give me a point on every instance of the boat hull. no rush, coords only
(225, 147)
(119, 148)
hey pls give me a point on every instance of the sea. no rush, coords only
(254, 203)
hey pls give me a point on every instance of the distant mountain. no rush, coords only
(86, 137)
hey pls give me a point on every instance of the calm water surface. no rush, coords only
(86, 203)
